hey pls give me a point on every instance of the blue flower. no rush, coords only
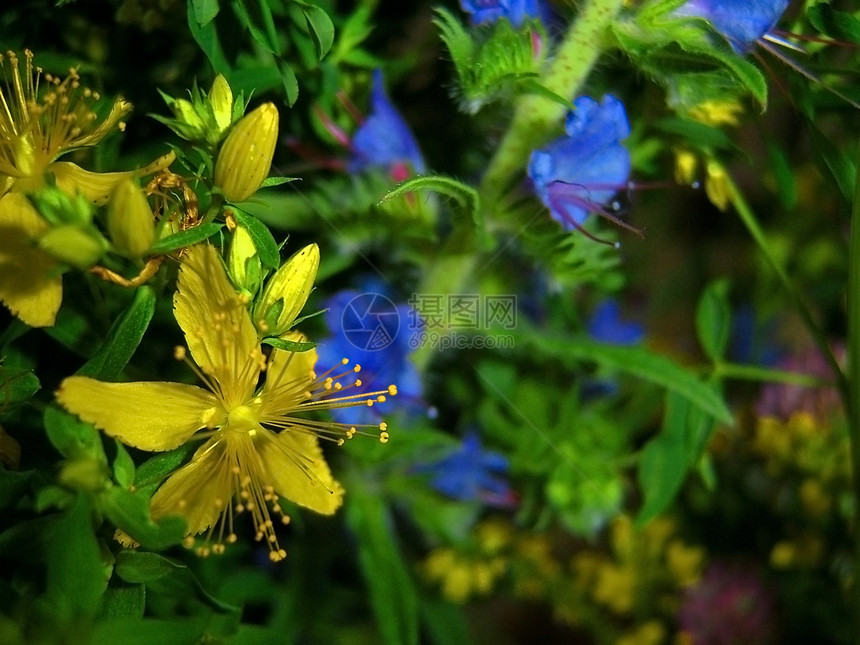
(384, 139)
(742, 22)
(472, 474)
(369, 329)
(607, 326)
(580, 173)
(483, 11)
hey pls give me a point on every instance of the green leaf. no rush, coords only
(144, 567)
(663, 462)
(320, 27)
(288, 345)
(445, 623)
(157, 467)
(182, 239)
(834, 159)
(462, 193)
(136, 631)
(836, 24)
(16, 386)
(749, 75)
(206, 36)
(14, 486)
(129, 511)
(392, 590)
(204, 11)
(714, 319)
(76, 574)
(637, 361)
(289, 82)
(277, 181)
(123, 338)
(123, 466)
(260, 234)
(129, 600)
(456, 38)
(266, 36)
(72, 437)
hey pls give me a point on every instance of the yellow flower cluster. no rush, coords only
(464, 575)
(813, 458)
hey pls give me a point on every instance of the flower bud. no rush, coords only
(80, 247)
(59, 207)
(246, 156)
(287, 291)
(221, 101)
(129, 220)
(243, 262)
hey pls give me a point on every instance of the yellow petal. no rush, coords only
(288, 376)
(294, 465)
(30, 284)
(199, 491)
(150, 416)
(96, 187)
(218, 329)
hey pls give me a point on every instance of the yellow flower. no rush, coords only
(256, 450)
(717, 113)
(30, 282)
(42, 118)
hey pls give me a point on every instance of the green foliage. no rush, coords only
(497, 65)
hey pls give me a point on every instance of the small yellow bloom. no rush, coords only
(460, 577)
(615, 587)
(716, 185)
(30, 282)
(256, 449)
(246, 155)
(37, 127)
(650, 633)
(717, 113)
(685, 562)
(686, 167)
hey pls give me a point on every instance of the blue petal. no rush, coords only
(579, 173)
(384, 139)
(741, 22)
(517, 11)
(607, 326)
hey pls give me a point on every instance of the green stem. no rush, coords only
(536, 117)
(748, 218)
(852, 404)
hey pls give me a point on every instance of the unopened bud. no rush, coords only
(129, 220)
(221, 100)
(80, 247)
(287, 292)
(243, 262)
(246, 156)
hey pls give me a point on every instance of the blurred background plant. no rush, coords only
(602, 248)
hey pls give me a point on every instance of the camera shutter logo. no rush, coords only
(370, 322)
